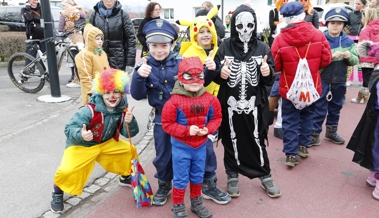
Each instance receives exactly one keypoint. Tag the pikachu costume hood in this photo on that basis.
(190, 49)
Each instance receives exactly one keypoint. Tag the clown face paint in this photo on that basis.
(245, 26)
(112, 98)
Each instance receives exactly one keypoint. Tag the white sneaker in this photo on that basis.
(73, 85)
(354, 100)
(348, 83)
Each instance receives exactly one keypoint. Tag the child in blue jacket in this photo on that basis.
(333, 78)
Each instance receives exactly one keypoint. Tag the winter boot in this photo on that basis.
(232, 189)
(331, 134)
(366, 95)
(359, 99)
(179, 211)
(210, 191)
(268, 184)
(303, 151)
(371, 181)
(315, 139)
(164, 190)
(178, 208)
(198, 207)
(57, 205)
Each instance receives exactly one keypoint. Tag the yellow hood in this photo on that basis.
(196, 24)
(89, 35)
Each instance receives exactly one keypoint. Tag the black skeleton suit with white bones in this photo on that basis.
(244, 98)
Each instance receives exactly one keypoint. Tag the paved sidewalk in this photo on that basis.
(326, 184)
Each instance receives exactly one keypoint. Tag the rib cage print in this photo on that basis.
(242, 72)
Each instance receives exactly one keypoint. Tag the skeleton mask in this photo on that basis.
(245, 26)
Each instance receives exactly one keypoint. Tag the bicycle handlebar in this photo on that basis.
(63, 35)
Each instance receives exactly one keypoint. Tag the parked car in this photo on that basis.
(323, 9)
(136, 22)
(11, 16)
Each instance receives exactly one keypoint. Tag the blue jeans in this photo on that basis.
(275, 87)
(210, 162)
(163, 149)
(329, 109)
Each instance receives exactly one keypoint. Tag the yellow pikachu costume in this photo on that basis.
(191, 49)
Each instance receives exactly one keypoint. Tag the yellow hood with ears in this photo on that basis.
(196, 24)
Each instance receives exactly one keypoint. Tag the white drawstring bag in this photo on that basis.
(302, 92)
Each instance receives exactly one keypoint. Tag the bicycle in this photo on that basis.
(29, 73)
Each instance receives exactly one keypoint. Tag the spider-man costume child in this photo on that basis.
(189, 116)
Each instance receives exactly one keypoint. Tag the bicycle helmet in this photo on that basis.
(337, 14)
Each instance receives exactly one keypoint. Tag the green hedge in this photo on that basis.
(10, 43)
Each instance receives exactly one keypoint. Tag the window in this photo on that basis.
(168, 13)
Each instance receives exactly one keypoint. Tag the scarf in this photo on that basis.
(103, 11)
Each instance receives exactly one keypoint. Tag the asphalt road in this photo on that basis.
(32, 143)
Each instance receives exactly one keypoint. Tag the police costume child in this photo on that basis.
(244, 103)
(157, 87)
(333, 79)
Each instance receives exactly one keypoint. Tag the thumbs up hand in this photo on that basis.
(209, 62)
(265, 69)
(225, 72)
(86, 134)
(129, 115)
(144, 70)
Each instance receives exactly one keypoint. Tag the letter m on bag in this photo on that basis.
(305, 97)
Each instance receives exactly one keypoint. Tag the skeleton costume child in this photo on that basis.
(244, 102)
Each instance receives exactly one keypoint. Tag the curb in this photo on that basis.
(97, 191)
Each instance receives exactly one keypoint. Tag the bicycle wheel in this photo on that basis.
(26, 72)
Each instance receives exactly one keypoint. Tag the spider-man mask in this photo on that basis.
(191, 71)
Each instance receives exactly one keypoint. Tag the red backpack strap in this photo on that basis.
(92, 108)
(117, 134)
(96, 125)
